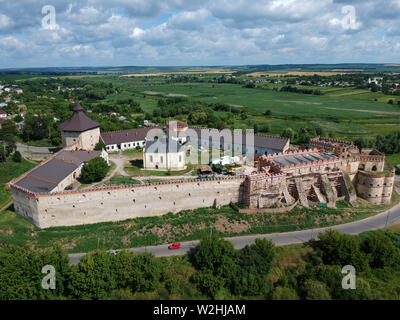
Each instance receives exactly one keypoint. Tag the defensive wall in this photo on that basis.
(70, 208)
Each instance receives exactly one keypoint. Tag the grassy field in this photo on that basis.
(185, 225)
(8, 171)
(393, 159)
(348, 112)
(134, 168)
(120, 180)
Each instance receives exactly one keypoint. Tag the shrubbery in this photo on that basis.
(95, 170)
(216, 270)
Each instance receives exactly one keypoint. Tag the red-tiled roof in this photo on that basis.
(2, 112)
(79, 122)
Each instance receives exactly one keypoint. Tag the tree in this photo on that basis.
(254, 263)
(100, 146)
(288, 133)
(17, 157)
(380, 250)
(92, 278)
(21, 273)
(140, 272)
(315, 290)
(95, 170)
(341, 249)
(18, 118)
(284, 293)
(2, 153)
(10, 142)
(214, 254)
(8, 128)
(208, 283)
(36, 127)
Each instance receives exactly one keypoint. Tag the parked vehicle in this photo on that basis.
(176, 245)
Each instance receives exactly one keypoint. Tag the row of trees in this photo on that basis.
(220, 271)
(300, 90)
(388, 144)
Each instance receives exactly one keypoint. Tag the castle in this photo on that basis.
(329, 171)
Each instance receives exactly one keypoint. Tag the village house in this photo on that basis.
(3, 114)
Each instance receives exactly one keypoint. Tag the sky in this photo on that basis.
(63, 33)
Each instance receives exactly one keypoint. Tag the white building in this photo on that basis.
(164, 154)
(3, 114)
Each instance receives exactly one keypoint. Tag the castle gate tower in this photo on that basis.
(80, 130)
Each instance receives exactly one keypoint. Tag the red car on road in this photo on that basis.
(176, 245)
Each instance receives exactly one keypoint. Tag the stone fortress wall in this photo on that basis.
(70, 208)
(318, 178)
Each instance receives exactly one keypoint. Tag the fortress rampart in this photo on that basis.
(70, 208)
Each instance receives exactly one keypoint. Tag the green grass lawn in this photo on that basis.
(393, 159)
(134, 169)
(120, 180)
(182, 226)
(9, 170)
(132, 152)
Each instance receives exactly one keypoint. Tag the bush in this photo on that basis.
(208, 283)
(316, 290)
(100, 146)
(2, 153)
(95, 170)
(380, 250)
(341, 249)
(17, 157)
(140, 272)
(284, 293)
(92, 278)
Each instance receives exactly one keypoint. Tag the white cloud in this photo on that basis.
(176, 32)
(5, 22)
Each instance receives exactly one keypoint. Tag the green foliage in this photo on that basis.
(284, 293)
(215, 255)
(146, 273)
(215, 259)
(315, 290)
(380, 250)
(389, 144)
(341, 249)
(17, 157)
(254, 263)
(2, 153)
(93, 277)
(95, 170)
(208, 283)
(21, 276)
(36, 127)
(100, 146)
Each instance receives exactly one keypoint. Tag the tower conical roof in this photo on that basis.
(79, 121)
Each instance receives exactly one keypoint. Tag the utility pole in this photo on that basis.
(387, 219)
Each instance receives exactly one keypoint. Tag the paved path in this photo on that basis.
(379, 221)
(44, 150)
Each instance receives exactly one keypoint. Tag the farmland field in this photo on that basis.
(349, 112)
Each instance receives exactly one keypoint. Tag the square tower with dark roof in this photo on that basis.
(80, 131)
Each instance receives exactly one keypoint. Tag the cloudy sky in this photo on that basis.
(197, 32)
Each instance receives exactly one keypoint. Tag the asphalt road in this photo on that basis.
(44, 150)
(379, 221)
